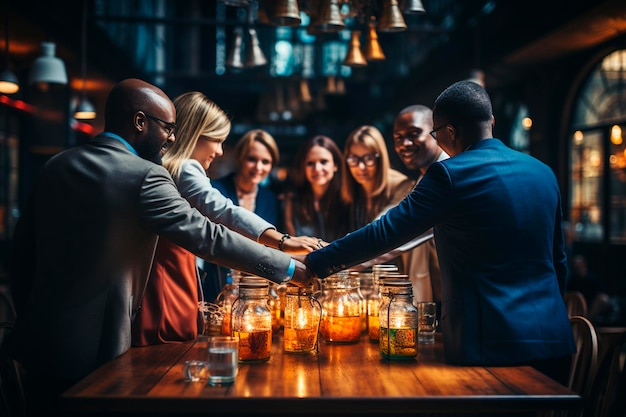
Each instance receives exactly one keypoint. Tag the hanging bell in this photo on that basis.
(341, 86)
(354, 57)
(254, 54)
(391, 19)
(234, 58)
(329, 18)
(305, 92)
(331, 85)
(285, 13)
(373, 51)
(413, 7)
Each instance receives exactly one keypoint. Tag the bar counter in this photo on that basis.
(349, 379)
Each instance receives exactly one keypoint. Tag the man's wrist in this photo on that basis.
(290, 271)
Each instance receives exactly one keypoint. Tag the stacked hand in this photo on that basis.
(301, 245)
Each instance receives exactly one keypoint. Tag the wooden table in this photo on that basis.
(339, 380)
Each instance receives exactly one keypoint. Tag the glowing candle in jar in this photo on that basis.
(341, 311)
(252, 322)
(301, 323)
(398, 321)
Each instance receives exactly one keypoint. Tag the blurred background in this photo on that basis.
(556, 72)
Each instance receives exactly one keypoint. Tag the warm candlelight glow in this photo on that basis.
(373, 329)
(341, 329)
(302, 317)
(254, 346)
(301, 320)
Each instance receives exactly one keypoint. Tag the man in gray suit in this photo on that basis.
(84, 244)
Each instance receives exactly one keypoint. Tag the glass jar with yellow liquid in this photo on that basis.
(341, 310)
(251, 321)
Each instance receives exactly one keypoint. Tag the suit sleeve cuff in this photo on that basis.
(290, 271)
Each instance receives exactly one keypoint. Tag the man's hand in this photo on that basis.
(302, 276)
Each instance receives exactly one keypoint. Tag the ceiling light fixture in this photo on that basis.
(84, 110)
(9, 83)
(48, 69)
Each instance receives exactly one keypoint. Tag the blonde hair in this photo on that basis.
(195, 115)
(240, 151)
(351, 192)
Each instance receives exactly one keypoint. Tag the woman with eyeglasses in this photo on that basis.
(372, 185)
(169, 310)
(313, 204)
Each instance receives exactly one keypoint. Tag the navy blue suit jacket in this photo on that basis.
(496, 215)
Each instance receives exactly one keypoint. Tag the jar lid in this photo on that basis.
(384, 268)
(294, 290)
(258, 283)
(400, 283)
(384, 278)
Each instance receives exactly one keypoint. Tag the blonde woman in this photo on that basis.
(169, 310)
(371, 185)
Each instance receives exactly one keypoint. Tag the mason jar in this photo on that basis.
(251, 321)
(397, 320)
(302, 320)
(341, 310)
(225, 299)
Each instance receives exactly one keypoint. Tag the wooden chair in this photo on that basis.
(576, 304)
(585, 360)
(608, 393)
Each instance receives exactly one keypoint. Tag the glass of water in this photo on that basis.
(223, 358)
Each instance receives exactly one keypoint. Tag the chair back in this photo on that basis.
(585, 359)
(575, 303)
(608, 393)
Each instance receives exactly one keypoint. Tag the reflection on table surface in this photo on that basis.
(344, 379)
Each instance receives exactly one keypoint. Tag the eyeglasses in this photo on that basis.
(433, 132)
(169, 127)
(413, 136)
(369, 159)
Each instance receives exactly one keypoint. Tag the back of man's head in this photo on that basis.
(464, 102)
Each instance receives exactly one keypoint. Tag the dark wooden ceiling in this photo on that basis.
(503, 38)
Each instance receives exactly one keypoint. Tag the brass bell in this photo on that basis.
(354, 57)
(331, 85)
(341, 86)
(413, 7)
(234, 58)
(329, 19)
(285, 13)
(305, 93)
(254, 54)
(391, 19)
(373, 51)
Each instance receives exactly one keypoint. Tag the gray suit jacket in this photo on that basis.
(83, 248)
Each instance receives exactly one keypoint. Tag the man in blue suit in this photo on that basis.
(496, 215)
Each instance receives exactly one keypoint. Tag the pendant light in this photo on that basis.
(48, 69)
(84, 110)
(391, 19)
(285, 13)
(8, 81)
(354, 57)
(413, 7)
(373, 51)
(254, 54)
